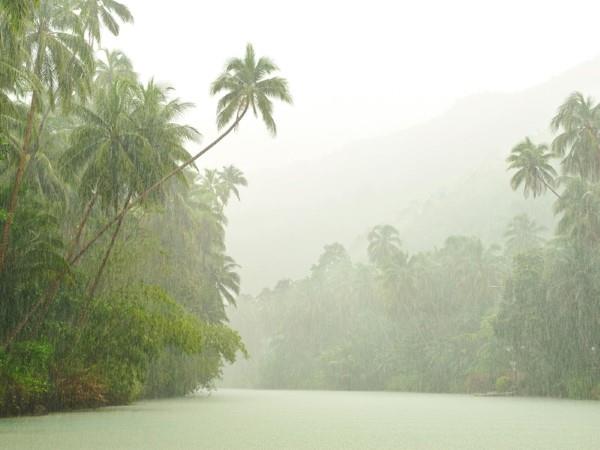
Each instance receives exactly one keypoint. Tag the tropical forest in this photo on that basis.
(176, 272)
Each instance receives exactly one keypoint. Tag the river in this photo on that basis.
(254, 419)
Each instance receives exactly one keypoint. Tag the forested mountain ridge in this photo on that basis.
(448, 172)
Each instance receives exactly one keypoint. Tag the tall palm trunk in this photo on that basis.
(113, 239)
(86, 215)
(24, 155)
(53, 290)
(14, 194)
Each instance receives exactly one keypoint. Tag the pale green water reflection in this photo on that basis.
(238, 419)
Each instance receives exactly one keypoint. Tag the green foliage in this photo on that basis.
(418, 323)
(140, 311)
(24, 376)
(247, 88)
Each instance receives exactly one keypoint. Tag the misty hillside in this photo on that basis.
(413, 179)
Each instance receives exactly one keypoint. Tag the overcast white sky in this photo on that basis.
(356, 68)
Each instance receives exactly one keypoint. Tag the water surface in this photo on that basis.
(252, 419)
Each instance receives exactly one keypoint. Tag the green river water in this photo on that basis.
(252, 419)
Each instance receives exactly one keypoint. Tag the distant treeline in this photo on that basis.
(519, 318)
(113, 270)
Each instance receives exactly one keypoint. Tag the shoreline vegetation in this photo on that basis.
(521, 317)
(114, 274)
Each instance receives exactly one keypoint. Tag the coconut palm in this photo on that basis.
(579, 142)
(246, 87)
(579, 208)
(384, 246)
(533, 170)
(523, 234)
(230, 178)
(115, 65)
(17, 12)
(95, 13)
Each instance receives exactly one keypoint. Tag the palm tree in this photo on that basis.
(17, 12)
(230, 177)
(95, 13)
(384, 246)
(580, 209)
(105, 151)
(246, 87)
(523, 234)
(579, 142)
(60, 62)
(115, 65)
(533, 169)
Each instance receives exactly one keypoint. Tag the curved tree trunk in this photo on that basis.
(86, 215)
(94, 284)
(14, 193)
(113, 239)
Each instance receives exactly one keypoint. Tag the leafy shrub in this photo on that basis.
(24, 377)
(504, 383)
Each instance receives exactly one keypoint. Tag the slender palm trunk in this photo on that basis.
(85, 308)
(54, 287)
(14, 194)
(113, 239)
(86, 215)
(551, 189)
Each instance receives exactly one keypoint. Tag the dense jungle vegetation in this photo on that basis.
(116, 283)
(114, 274)
(522, 317)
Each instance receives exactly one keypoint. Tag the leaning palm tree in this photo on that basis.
(247, 87)
(533, 169)
(579, 143)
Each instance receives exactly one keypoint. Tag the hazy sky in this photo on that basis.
(356, 68)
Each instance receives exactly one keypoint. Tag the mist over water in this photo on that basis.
(318, 419)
